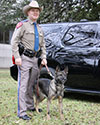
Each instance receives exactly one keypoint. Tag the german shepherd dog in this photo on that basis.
(51, 89)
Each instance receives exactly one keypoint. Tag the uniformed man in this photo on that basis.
(31, 35)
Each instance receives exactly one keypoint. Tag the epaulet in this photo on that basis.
(21, 23)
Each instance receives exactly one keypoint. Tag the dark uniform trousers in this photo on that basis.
(27, 74)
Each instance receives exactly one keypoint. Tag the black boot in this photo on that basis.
(25, 117)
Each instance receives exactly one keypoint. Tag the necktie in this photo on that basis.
(36, 43)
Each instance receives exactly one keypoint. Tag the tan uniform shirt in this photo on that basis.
(24, 32)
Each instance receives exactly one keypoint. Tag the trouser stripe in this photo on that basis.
(19, 79)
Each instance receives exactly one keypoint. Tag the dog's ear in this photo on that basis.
(58, 68)
(66, 69)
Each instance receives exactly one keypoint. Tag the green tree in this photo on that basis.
(86, 9)
(53, 11)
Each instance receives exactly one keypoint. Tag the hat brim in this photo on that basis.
(27, 8)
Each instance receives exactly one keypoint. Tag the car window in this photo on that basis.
(80, 35)
(53, 34)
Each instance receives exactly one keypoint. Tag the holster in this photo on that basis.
(21, 48)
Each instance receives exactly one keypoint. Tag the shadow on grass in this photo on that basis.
(82, 97)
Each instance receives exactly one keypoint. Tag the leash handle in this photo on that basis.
(49, 71)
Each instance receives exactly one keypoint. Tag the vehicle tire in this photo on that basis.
(44, 73)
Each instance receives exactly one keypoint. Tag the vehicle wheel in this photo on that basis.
(44, 73)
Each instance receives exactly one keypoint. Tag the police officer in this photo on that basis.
(31, 35)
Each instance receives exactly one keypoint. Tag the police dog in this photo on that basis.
(51, 89)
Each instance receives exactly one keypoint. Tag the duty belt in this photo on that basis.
(29, 53)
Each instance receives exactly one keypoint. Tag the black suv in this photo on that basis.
(78, 46)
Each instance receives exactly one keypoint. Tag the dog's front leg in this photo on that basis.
(48, 109)
(60, 99)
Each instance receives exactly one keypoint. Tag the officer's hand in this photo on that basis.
(44, 62)
(18, 61)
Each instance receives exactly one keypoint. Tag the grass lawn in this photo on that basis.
(78, 109)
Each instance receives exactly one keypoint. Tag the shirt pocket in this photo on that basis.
(29, 35)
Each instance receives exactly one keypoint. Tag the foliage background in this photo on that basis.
(53, 11)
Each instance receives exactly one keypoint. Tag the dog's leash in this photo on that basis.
(47, 70)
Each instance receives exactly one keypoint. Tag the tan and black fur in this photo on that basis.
(51, 89)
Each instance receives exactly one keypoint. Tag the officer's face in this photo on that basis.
(33, 14)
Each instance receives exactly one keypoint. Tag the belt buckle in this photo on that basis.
(35, 54)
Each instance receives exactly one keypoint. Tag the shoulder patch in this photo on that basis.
(19, 25)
